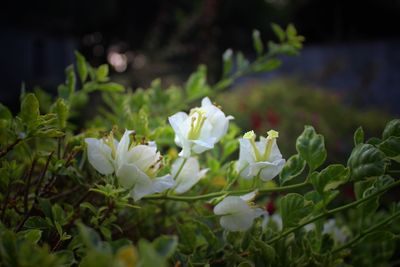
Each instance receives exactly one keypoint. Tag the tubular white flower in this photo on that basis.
(237, 213)
(188, 176)
(135, 165)
(261, 158)
(199, 130)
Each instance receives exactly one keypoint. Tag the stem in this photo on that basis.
(10, 147)
(333, 211)
(180, 168)
(220, 193)
(368, 231)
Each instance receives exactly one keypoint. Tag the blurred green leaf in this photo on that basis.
(366, 161)
(359, 136)
(391, 147)
(293, 168)
(391, 129)
(257, 43)
(81, 66)
(196, 85)
(293, 208)
(311, 147)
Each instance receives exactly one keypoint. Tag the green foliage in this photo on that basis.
(56, 210)
(311, 147)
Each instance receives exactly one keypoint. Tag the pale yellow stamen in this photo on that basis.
(272, 135)
(109, 141)
(196, 123)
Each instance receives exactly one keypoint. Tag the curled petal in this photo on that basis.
(99, 156)
(189, 175)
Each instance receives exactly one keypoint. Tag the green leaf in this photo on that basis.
(5, 113)
(208, 234)
(102, 73)
(165, 245)
(391, 147)
(30, 110)
(291, 31)
(359, 136)
(32, 235)
(187, 237)
(257, 43)
(379, 246)
(391, 129)
(280, 33)
(269, 65)
(71, 80)
(266, 251)
(36, 222)
(227, 61)
(293, 208)
(110, 87)
(366, 161)
(196, 85)
(241, 62)
(330, 178)
(293, 168)
(148, 255)
(81, 66)
(311, 147)
(62, 110)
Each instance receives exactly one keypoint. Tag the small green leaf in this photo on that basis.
(71, 80)
(311, 147)
(366, 161)
(266, 251)
(359, 136)
(30, 110)
(391, 129)
(62, 110)
(241, 61)
(269, 65)
(165, 245)
(291, 31)
(330, 178)
(102, 73)
(32, 235)
(5, 113)
(208, 234)
(111, 87)
(293, 168)
(391, 147)
(148, 255)
(257, 43)
(280, 33)
(228, 62)
(293, 208)
(81, 66)
(196, 85)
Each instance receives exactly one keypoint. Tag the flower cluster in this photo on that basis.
(136, 165)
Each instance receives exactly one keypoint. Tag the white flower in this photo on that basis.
(261, 158)
(339, 234)
(275, 218)
(330, 227)
(201, 129)
(135, 165)
(189, 174)
(237, 213)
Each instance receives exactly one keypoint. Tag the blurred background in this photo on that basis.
(348, 73)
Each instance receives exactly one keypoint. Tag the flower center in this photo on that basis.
(272, 135)
(109, 141)
(198, 118)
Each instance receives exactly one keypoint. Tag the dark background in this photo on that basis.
(168, 38)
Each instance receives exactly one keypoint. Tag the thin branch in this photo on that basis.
(221, 193)
(10, 147)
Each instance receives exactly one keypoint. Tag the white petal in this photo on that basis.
(151, 186)
(160, 184)
(178, 121)
(205, 102)
(249, 196)
(186, 149)
(123, 147)
(143, 156)
(129, 175)
(237, 222)
(142, 189)
(199, 146)
(268, 173)
(189, 175)
(231, 205)
(99, 156)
